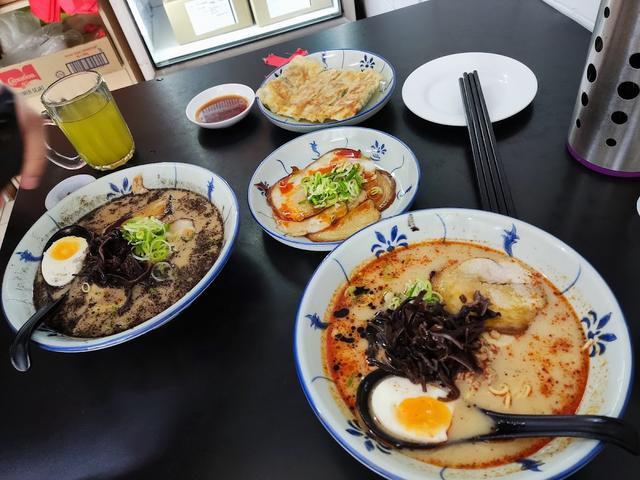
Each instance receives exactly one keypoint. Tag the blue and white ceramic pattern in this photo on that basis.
(610, 370)
(343, 59)
(387, 151)
(17, 286)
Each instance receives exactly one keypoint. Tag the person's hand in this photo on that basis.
(34, 162)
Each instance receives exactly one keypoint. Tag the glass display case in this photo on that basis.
(177, 30)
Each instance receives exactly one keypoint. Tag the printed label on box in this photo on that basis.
(209, 15)
(32, 91)
(277, 8)
(19, 77)
(90, 62)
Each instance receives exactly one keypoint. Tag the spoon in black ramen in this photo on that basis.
(421, 422)
(19, 350)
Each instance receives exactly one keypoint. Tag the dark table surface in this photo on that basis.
(214, 393)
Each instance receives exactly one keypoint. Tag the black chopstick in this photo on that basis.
(477, 149)
(500, 177)
(495, 194)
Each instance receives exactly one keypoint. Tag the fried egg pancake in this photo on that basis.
(306, 91)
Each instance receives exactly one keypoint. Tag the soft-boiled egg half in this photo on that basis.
(406, 412)
(63, 260)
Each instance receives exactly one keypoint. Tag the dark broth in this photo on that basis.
(221, 108)
(94, 313)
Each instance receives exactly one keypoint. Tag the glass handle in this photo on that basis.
(64, 161)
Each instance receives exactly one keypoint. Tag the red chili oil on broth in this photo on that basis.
(548, 356)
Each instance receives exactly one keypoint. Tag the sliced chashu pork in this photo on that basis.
(322, 220)
(362, 215)
(512, 291)
(287, 197)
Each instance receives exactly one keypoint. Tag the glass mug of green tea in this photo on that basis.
(82, 107)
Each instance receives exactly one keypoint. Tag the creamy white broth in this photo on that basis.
(468, 422)
(544, 368)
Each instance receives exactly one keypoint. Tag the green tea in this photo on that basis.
(96, 129)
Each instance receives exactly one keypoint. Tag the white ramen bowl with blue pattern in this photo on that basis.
(358, 60)
(17, 285)
(610, 369)
(385, 150)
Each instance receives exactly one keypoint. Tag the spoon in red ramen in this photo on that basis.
(407, 416)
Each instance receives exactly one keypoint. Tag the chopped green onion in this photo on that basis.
(340, 185)
(430, 296)
(375, 191)
(148, 238)
(412, 289)
(162, 271)
(391, 300)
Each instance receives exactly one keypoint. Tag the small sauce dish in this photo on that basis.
(66, 187)
(221, 106)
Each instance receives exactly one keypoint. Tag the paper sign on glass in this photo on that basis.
(278, 8)
(209, 15)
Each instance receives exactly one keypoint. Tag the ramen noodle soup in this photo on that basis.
(111, 286)
(530, 356)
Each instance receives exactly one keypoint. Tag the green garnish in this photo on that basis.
(412, 290)
(430, 296)
(375, 191)
(148, 237)
(340, 185)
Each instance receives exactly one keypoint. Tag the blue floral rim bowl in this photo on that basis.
(388, 152)
(346, 59)
(17, 285)
(610, 367)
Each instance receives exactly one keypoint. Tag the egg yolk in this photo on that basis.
(424, 415)
(64, 248)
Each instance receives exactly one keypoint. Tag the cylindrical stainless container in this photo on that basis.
(604, 133)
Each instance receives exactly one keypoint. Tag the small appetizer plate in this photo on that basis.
(17, 284)
(431, 91)
(226, 90)
(610, 355)
(358, 60)
(386, 151)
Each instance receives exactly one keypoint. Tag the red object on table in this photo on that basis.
(277, 61)
(49, 10)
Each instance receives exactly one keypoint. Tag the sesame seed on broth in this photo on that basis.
(94, 313)
(541, 371)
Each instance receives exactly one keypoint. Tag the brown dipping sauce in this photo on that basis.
(221, 108)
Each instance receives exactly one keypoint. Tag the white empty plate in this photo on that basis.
(432, 91)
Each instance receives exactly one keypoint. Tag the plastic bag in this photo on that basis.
(22, 38)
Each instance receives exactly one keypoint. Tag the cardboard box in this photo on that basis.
(32, 77)
(267, 12)
(193, 20)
